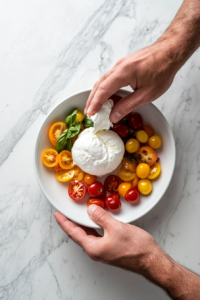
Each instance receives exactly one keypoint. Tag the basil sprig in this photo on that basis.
(64, 141)
(87, 122)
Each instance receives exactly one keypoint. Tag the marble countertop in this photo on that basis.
(50, 49)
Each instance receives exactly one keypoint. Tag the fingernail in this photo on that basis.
(116, 116)
(91, 209)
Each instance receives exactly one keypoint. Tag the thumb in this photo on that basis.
(100, 216)
(129, 103)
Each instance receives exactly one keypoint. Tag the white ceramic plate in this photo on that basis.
(57, 192)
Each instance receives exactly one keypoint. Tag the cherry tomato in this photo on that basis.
(111, 183)
(145, 186)
(78, 174)
(89, 179)
(149, 130)
(135, 121)
(64, 175)
(55, 131)
(132, 145)
(155, 142)
(142, 136)
(95, 189)
(135, 182)
(65, 160)
(123, 188)
(79, 117)
(102, 196)
(74, 139)
(154, 171)
(57, 167)
(115, 98)
(143, 170)
(98, 202)
(122, 130)
(133, 195)
(77, 190)
(128, 165)
(146, 155)
(113, 202)
(50, 158)
(126, 175)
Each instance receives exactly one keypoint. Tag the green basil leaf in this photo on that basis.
(61, 142)
(70, 120)
(69, 145)
(87, 122)
(132, 158)
(75, 129)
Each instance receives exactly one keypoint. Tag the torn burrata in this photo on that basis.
(98, 150)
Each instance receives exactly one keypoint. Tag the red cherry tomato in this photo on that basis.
(95, 189)
(111, 183)
(77, 190)
(115, 98)
(102, 196)
(113, 202)
(122, 130)
(135, 121)
(98, 202)
(133, 195)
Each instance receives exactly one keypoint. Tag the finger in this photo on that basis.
(76, 233)
(129, 103)
(105, 89)
(100, 216)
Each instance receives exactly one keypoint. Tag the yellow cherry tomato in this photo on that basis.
(64, 175)
(143, 170)
(65, 160)
(155, 142)
(145, 186)
(128, 165)
(50, 158)
(123, 188)
(132, 145)
(149, 130)
(79, 117)
(135, 182)
(154, 171)
(78, 174)
(89, 179)
(126, 175)
(142, 136)
(55, 131)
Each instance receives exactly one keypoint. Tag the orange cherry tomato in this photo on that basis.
(149, 130)
(65, 160)
(135, 182)
(126, 175)
(128, 165)
(123, 188)
(64, 175)
(78, 174)
(57, 167)
(50, 158)
(155, 142)
(145, 186)
(98, 202)
(89, 179)
(143, 170)
(55, 131)
(146, 155)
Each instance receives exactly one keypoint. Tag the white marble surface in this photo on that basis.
(50, 49)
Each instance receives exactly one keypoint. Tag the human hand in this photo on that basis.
(149, 72)
(123, 245)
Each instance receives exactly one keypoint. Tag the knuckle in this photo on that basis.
(96, 84)
(99, 216)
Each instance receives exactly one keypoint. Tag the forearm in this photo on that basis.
(182, 37)
(177, 281)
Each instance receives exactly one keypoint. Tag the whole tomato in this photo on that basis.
(95, 189)
(113, 202)
(98, 202)
(133, 195)
(135, 121)
(122, 130)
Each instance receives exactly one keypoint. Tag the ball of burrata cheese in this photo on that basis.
(98, 153)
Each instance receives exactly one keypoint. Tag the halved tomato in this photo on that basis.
(57, 167)
(146, 155)
(154, 171)
(126, 175)
(55, 131)
(65, 160)
(78, 174)
(64, 175)
(111, 183)
(50, 158)
(77, 190)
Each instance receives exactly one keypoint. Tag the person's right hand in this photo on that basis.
(149, 72)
